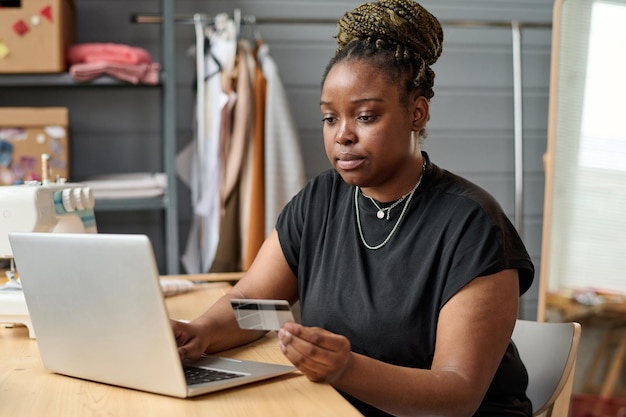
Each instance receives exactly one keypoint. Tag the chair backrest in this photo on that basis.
(549, 352)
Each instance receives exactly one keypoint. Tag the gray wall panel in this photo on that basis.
(96, 153)
(471, 129)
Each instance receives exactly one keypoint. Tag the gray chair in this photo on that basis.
(549, 352)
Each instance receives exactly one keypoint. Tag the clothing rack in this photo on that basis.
(253, 20)
(516, 36)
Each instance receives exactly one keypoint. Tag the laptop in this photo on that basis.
(98, 313)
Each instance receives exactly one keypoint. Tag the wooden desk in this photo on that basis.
(211, 277)
(27, 389)
(611, 312)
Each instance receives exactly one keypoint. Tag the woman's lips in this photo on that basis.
(349, 162)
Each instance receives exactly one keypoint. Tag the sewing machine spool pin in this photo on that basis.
(12, 284)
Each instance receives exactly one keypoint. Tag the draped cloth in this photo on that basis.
(256, 231)
(244, 163)
(284, 167)
(199, 162)
(235, 138)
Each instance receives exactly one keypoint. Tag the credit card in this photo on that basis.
(257, 314)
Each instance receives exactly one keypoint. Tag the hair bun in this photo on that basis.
(395, 22)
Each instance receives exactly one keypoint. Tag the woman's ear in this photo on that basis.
(421, 113)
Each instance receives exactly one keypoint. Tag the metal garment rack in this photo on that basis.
(516, 40)
(168, 120)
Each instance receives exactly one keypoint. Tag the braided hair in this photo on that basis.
(399, 37)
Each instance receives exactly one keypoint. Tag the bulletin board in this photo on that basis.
(29, 135)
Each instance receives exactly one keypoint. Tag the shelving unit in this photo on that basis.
(168, 120)
(168, 202)
(59, 80)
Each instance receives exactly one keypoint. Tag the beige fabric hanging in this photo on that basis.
(256, 230)
(235, 139)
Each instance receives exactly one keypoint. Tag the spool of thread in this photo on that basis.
(45, 169)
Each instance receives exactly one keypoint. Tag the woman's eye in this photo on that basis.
(329, 120)
(367, 118)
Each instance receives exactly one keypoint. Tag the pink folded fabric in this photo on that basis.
(140, 73)
(107, 52)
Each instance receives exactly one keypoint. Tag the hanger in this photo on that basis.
(255, 30)
(237, 20)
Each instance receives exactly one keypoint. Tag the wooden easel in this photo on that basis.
(605, 375)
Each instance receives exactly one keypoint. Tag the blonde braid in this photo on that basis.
(402, 26)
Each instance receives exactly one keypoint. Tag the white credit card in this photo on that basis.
(257, 314)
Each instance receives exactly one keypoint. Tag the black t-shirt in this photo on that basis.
(387, 301)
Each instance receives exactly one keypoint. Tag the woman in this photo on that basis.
(408, 276)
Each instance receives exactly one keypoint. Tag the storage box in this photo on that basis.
(34, 35)
(28, 133)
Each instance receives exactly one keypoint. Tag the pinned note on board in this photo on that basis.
(20, 27)
(47, 12)
(6, 153)
(4, 50)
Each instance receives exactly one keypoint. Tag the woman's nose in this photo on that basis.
(345, 134)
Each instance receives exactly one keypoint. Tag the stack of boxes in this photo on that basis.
(34, 36)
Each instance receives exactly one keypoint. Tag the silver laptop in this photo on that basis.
(98, 313)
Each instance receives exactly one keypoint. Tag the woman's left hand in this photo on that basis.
(320, 355)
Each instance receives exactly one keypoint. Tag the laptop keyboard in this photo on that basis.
(195, 375)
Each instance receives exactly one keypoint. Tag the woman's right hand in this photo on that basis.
(216, 329)
(192, 342)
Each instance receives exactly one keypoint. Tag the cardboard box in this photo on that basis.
(34, 35)
(26, 134)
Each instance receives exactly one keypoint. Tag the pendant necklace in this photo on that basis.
(381, 212)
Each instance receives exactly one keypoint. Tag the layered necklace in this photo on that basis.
(381, 211)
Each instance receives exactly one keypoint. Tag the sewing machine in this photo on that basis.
(53, 207)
